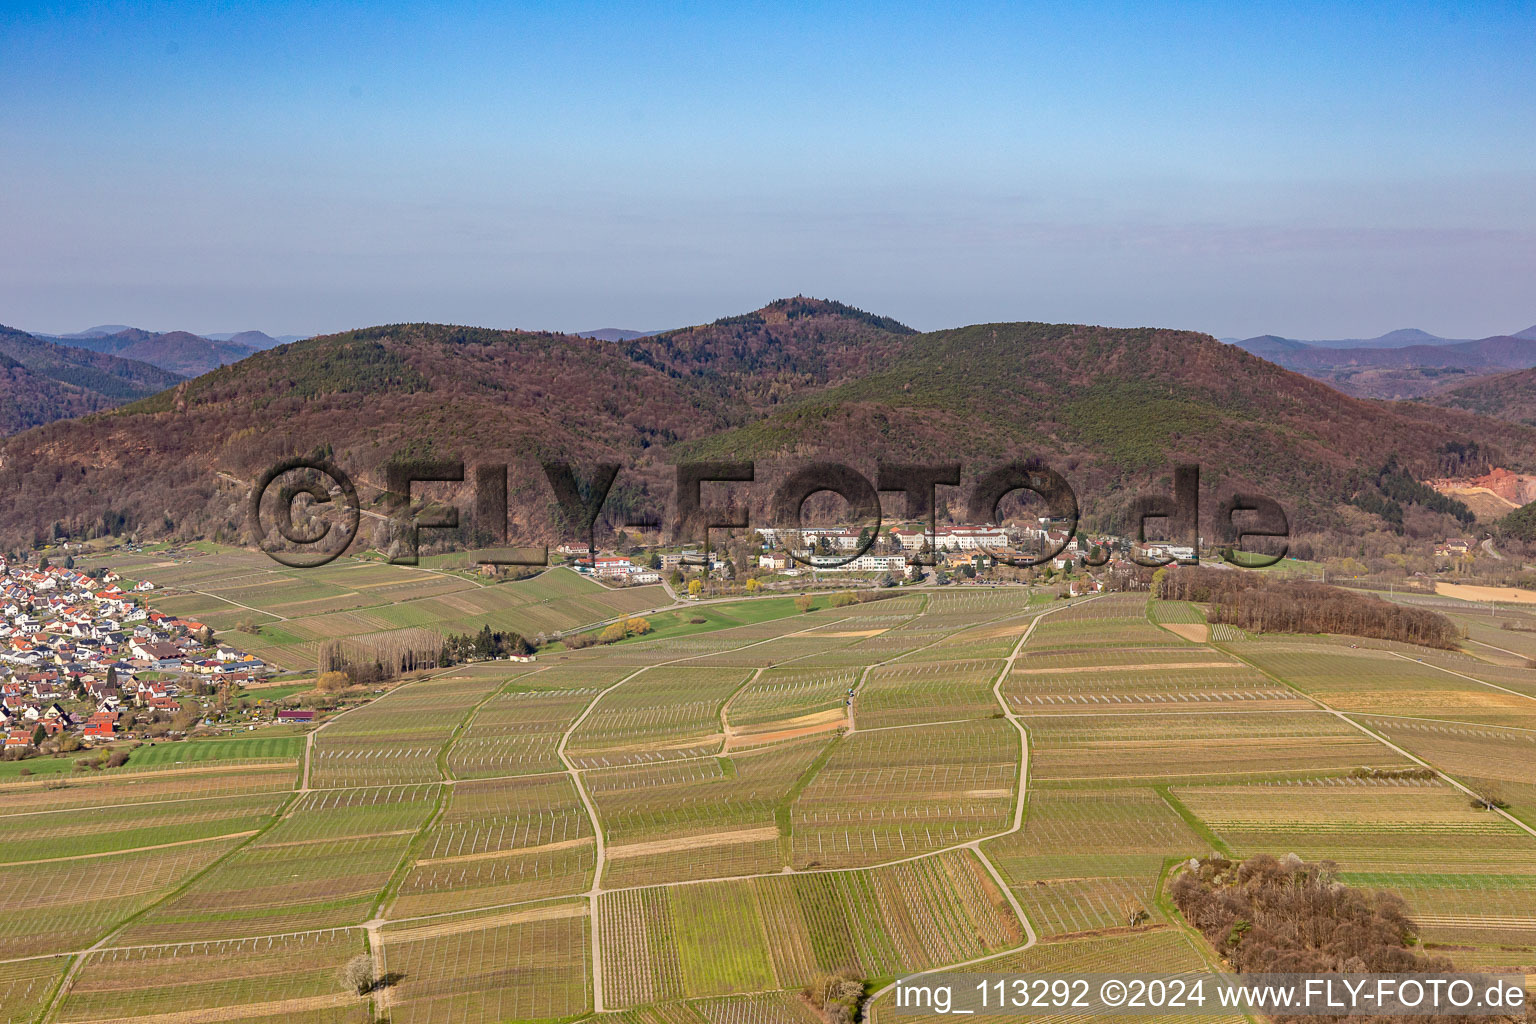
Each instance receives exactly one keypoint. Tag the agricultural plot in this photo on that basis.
(27, 985)
(1150, 746)
(703, 818)
(1468, 874)
(272, 744)
(54, 836)
(530, 963)
(783, 703)
(399, 737)
(1169, 949)
(1093, 657)
(912, 693)
(901, 792)
(1495, 762)
(324, 865)
(1365, 825)
(1057, 684)
(448, 824)
(1481, 921)
(500, 842)
(666, 712)
(1175, 612)
(1091, 859)
(517, 732)
(760, 1008)
(779, 931)
(67, 905)
(210, 610)
(1226, 633)
(1378, 682)
(1512, 635)
(780, 650)
(297, 610)
(149, 784)
(1511, 677)
(1117, 621)
(275, 980)
(961, 608)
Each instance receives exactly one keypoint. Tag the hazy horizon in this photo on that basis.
(1314, 172)
(653, 330)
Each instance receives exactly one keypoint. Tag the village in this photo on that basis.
(964, 553)
(896, 555)
(83, 662)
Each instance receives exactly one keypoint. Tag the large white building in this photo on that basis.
(864, 563)
(954, 538)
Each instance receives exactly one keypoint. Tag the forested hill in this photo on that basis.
(41, 381)
(1111, 409)
(1507, 396)
(778, 352)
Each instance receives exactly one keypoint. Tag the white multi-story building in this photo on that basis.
(864, 563)
(973, 538)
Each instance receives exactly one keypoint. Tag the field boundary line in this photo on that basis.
(407, 860)
(1393, 746)
(1463, 675)
(459, 730)
(130, 849)
(1190, 818)
(574, 772)
(1030, 937)
(309, 737)
(56, 1004)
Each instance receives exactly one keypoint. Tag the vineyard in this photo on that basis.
(687, 829)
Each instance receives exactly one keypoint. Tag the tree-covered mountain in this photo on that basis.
(775, 353)
(1117, 408)
(1506, 396)
(44, 381)
(800, 378)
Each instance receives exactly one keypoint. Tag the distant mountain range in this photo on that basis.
(796, 380)
(257, 339)
(615, 334)
(50, 377)
(1401, 338)
(42, 381)
(181, 352)
(1407, 363)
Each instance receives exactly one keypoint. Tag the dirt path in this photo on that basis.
(745, 835)
(466, 858)
(587, 802)
(1030, 937)
(475, 924)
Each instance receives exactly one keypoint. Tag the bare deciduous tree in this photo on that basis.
(357, 976)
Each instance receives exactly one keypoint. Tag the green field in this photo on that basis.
(270, 742)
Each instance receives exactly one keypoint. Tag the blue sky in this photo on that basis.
(1327, 170)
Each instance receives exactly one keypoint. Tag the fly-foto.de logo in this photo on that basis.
(305, 512)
